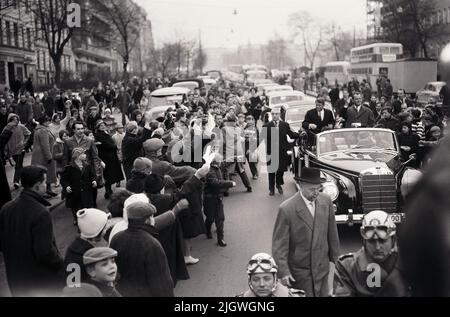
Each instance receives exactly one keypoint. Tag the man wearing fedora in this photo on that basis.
(275, 134)
(305, 238)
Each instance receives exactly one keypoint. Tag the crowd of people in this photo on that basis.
(165, 179)
(419, 128)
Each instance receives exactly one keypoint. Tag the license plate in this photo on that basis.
(396, 218)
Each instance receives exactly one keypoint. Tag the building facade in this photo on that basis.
(17, 47)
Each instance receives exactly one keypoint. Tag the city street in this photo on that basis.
(221, 271)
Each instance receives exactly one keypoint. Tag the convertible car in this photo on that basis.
(363, 169)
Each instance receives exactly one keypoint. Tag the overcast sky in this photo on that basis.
(256, 20)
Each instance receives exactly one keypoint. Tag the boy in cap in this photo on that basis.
(101, 266)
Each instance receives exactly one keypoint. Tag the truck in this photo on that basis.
(412, 74)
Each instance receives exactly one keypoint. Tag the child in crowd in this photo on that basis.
(78, 181)
(100, 264)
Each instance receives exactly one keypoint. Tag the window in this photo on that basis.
(38, 57)
(16, 34)
(24, 45)
(29, 38)
(8, 33)
(2, 72)
(1, 31)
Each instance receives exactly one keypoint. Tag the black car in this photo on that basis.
(363, 169)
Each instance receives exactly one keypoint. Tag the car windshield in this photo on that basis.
(356, 140)
(297, 114)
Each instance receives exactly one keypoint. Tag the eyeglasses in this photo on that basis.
(265, 264)
(369, 232)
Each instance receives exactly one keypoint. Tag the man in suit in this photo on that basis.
(305, 238)
(318, 119)
(277, 148)
(359, 115)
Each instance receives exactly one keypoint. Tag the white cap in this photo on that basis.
(131, 200)
(91, 222)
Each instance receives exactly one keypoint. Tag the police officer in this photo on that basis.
(375, 270)
(262, 279)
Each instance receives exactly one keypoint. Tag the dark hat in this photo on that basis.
(98, 123)
(140, 210)
(154, 184)
(153, 145)
(312, 176)
(98, 254)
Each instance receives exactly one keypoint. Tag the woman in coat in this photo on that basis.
(107, 151)
(42, 152)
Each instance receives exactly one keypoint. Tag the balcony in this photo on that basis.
(91, 51)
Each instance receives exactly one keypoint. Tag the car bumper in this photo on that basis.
(350, 218)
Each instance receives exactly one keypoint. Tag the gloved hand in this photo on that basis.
(180, 206)
(202, 172)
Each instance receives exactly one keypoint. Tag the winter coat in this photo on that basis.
(32, 260)
(142, 263)
(107, 151)
(90, 150)
(106, 290)
(192, 220)
(136, 184)
(19, 138)
(80, 182)
(74, 254)
(49, 106)
(132, 149)
(171, 237)
(411, 140)
(25, 112)
(42, 152)
(179, 174)
(215, 183)
(58, 155)
(4, 185)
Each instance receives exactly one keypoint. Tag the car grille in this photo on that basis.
(379, 192)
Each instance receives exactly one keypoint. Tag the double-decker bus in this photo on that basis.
(370, 61)
(337, 71)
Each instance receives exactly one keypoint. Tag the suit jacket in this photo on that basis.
(281, 145)
(304, 246)
(365, 117)
(312, 117)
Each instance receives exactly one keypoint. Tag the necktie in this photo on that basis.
(321, 115)
(312, 208)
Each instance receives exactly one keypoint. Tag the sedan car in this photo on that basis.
(430, 93)
(363, 169)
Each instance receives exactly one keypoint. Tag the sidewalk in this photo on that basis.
(56, 202)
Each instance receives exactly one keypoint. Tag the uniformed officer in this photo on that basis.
(375, 270)
(262, 279)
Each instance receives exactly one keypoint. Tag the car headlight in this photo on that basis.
(331, 190)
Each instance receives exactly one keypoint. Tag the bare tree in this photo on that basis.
(339, 40)
(164, 58)
(51, 16)
(200, 58)
(412, 23)
(276, 55)
(311, 33)
(126, 18)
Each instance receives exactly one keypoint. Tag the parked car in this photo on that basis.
(268, 90)
(363, 169)
(284, 97)
(430, 93)
(168, 96)
(191, 84)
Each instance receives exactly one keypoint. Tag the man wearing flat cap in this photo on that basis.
(305, 238)
(153, 151)
(141, 260)
(319, 118)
